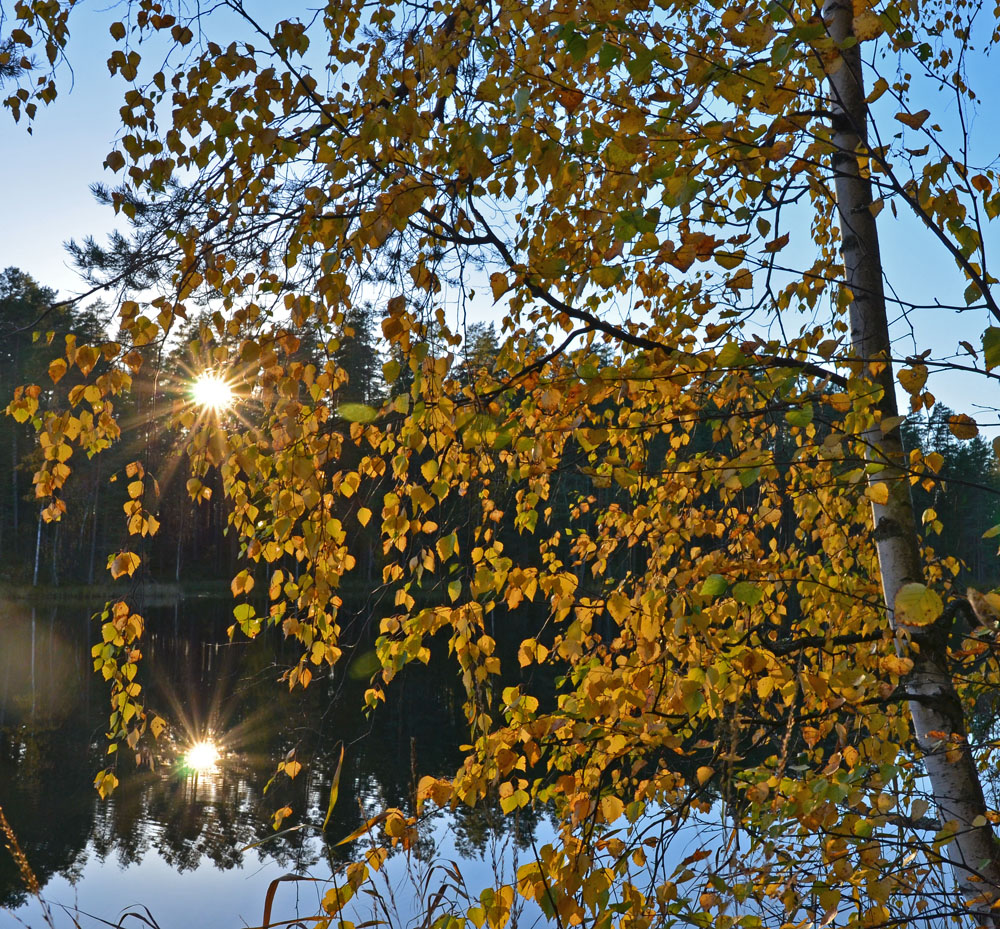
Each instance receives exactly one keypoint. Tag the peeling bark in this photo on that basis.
(936, 711)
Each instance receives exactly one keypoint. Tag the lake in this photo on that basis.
(176, 848)
(180, 848)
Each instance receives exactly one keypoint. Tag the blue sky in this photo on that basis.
(48, 173)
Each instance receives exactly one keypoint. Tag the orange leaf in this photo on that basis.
(913, 120)
(962, 426)
(570, 99)
(124, 563)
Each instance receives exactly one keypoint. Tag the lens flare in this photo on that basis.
(211, 392)
(202, 756)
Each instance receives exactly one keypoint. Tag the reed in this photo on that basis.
(10, 840)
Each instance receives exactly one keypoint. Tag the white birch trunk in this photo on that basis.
(935, 708)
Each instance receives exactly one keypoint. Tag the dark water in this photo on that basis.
(172, 844)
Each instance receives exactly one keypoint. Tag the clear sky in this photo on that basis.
(47, 174)
(47, 201)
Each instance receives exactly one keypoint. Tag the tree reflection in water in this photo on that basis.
(52, 741)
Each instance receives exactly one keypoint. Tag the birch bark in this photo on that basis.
(937, 715)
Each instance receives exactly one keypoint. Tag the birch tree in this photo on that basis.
(687, 446)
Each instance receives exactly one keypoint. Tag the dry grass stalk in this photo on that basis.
(27, 875)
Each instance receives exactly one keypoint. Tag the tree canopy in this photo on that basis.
(683, 446)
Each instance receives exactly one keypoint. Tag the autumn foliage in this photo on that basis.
(666, 472)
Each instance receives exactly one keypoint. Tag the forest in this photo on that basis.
(601, 340)
(192, 541)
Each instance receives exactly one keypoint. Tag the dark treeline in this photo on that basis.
(193, 543)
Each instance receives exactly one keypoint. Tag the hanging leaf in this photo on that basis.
(914, 120)
(357, 412)
(334, 789)
(962, 426)
(917, 605)
(715, 585)
(745, 592)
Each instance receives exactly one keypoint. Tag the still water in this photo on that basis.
(177, 848)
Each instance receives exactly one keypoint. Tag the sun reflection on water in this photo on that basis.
(202, 757)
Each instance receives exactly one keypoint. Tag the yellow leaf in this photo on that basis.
(935, 461)
(867, 25)
(618, 607)
(878, 493)
(334, 788)
(242, 584)
(893, 664)
(704, 773)
(105, 782)
(292, 767)
(447, 546)
(57, 368)
(86, 357)
(913, 379)
(985, 606)
(878, 88)
(917, 605)
(611, 808)
(498, 284)
(364, 515)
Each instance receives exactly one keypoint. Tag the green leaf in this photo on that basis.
(390, 371)
(991, 347)
(641, 66)
(243, 612)
(731, 356)
(357, 412)
(745, 592)
(503, 439)
(334, 788)
(715, 585)
(800, 416)
(608, 56)
(521, 100)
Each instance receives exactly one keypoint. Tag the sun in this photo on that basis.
(202, 756)
(211, 392)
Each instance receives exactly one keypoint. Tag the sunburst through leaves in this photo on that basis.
(211, 392)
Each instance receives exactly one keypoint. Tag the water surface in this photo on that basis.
(188, 849)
